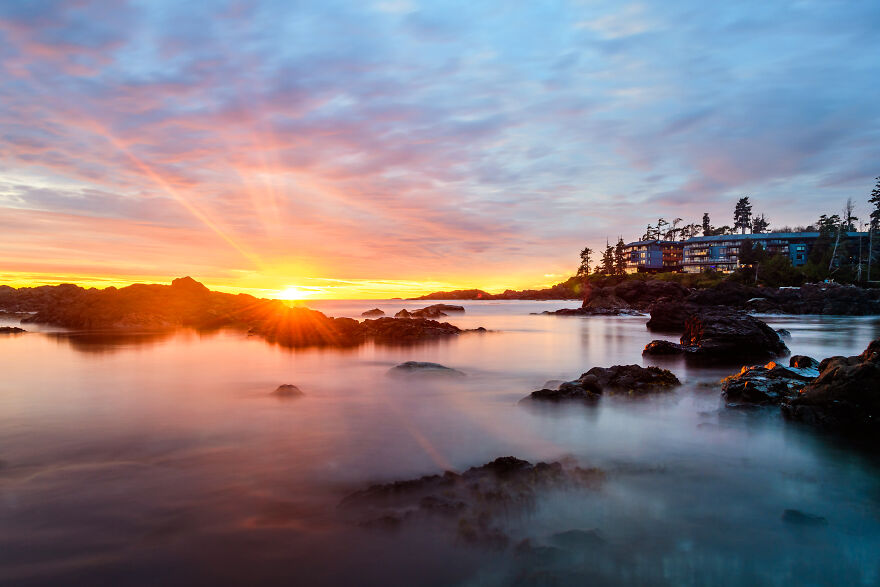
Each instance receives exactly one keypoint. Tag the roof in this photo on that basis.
(653, 242)
(765, 236)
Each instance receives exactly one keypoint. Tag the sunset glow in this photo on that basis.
(396, 148)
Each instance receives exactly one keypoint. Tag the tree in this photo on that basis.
(673, 230)
(760, 224)
(827, 225)
(689, 230)
(742, 214)
(849, 221)
(620, 257)
(661, 225)
(584, 268)
(875, 199)
(608, 260)
(874, 223)
(707, 227)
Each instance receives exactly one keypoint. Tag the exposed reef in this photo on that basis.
(771, 383)
(839, 394)
(844, 398)
(630, 380)
(472, 504)
(721, 335)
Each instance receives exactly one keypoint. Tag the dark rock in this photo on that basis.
(577, 539)
(445, 308)
(726, 293)
(619, 379)
(374, 313)
(11, 330)
(391, 330)
(783, 333)
(770, 383)
(594, 311)
(403, 314)
(670, 316)
(643, 294)
(845, 398)
(472, 503)
(803, 362)
(429, 312)
(663, 347)
(723, 335)
(537, 554)
(799, 518)
(423, 368)
(287, 390)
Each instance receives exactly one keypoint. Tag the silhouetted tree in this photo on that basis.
(608, 260)
(707, 227)
(661, 227)
(827, 225)
(742, 214)
(760, 224)
(849, 220)
(875, 200)
(620, 257)
(673, 231)
(584, 267)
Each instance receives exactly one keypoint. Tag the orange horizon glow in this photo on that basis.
(331, 289)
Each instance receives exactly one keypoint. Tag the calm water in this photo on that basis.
(166, 460)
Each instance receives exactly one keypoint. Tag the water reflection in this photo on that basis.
(168, 460)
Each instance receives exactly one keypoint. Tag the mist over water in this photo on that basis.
(166, 459)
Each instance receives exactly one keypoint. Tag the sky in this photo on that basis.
(373, 149)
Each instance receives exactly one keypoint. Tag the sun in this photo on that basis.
(293, 293)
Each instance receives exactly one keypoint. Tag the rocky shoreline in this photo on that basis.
(841, 394)
(838, 394)
(669, 303)
(188, 303)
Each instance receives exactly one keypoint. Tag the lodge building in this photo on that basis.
(717, 253)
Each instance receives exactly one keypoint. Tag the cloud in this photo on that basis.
(396, 139)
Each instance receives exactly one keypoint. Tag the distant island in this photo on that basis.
(570, 289)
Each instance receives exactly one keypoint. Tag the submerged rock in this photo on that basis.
(578, 539)
(845, 397)
(723, 336)
(423, 368)
(799, 518)
(472, 504)
(616, 380)
(771, 383)
(287, 390)
(375, 312)
(11, 330)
